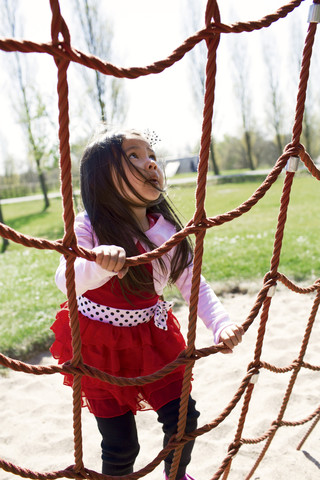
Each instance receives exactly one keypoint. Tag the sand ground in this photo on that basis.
(36, 411)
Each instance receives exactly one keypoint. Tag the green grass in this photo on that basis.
(243, 247)
(238, 250)
(28, 295)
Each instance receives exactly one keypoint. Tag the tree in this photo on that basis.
(8, 171)
(275, 101)
(231, 153)
(5, 241)
(311, 118)
(240, 59)
(197, 63)
(31, 111)
(266, 151)
(105, 92)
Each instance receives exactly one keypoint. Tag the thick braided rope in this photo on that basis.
(297, 129)
(288, 392)
(296, 133)
(198, 226)
(59, 26)
(317, 418)
(212, 12)
(90, 61)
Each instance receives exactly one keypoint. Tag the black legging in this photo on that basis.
(120, 445)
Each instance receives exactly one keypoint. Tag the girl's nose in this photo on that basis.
(151, 164)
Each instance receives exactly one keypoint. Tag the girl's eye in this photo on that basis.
(133, 155)
(153, 157)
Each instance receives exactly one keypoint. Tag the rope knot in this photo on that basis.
(80, 472)
(270, 279)
(234, 448)
(275, 424)
(78, 366)
(296, 363)
(203, 224)
(254, 368)
(294, 150)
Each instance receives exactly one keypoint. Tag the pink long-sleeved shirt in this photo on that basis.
(89, 275)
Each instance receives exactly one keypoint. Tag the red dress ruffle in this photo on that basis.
(122, 352)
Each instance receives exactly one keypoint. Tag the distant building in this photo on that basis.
(181, 165)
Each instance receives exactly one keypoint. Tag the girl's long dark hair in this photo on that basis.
(101, 172)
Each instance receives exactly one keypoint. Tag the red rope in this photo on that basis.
(63, 53)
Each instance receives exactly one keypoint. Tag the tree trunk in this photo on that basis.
(44, 189)
(5, 241)
(279, 144)
(213, 159)
(249, 150)
(100, 97)
(307, 133)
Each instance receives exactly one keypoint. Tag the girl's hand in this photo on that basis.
(112, 258)
(231, 336)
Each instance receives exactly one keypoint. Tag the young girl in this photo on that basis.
(126, 329)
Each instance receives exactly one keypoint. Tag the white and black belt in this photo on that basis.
(125, 318)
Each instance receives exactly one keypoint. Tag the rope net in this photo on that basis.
(61, 50)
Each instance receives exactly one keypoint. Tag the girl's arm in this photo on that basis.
(88, 274)
(211, 311)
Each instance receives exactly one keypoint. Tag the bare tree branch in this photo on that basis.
(105, 92)
(240, 59)
(275, 104)
(33, 110)
(198, 57)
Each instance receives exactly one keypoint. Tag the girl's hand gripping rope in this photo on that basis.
(112, 258)
(231, 336)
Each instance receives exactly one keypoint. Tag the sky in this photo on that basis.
(146, 31)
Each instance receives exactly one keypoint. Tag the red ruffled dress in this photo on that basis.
(122, 351)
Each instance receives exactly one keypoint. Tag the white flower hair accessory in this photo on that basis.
(152, 137)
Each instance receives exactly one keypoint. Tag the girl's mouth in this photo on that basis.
(153, 181)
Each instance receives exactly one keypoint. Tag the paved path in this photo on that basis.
(177, 181)
(29, 198)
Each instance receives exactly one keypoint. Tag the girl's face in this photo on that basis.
(150, 183)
